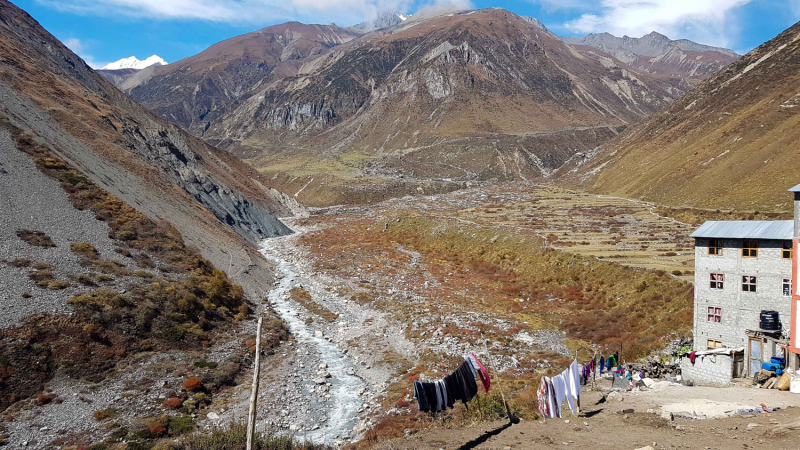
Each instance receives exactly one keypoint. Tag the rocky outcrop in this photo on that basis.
(167, 150)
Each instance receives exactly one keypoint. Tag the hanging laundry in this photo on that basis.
(574, 379)
(451, 384)
(560, 388)
(419, 394)
(516, 363)
(439, 398)
(473, 366)
(555, 413)
(482, 373)
(543, 397)
(602, 366)
(469, 387)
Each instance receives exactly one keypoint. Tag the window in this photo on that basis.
(787, 287)
(717, 280)
(712, 344)
(714, 314)
(748, 283)
(787, 250)
(749, 249)
(715, 247)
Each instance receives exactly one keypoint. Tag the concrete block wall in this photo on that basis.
(740, 310)
(709, 369)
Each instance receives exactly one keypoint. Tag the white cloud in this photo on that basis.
(77, 46)
(706, 21)
(345, 12)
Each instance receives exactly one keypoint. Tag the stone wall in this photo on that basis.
(740, 310)
(708, 369)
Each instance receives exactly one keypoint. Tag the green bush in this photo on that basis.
(235, 437)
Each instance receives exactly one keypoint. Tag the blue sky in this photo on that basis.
(103, 31)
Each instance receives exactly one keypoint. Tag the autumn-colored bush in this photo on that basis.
(172, 403)
(35, 238)
(84, 249)
(43, 399)
(157, 430)
(103, 414)
(193, 384)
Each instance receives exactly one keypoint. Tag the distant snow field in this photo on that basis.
(134, 63)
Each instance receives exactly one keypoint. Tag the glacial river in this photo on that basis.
(343, 416)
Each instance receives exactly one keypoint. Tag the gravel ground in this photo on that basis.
(41, 206)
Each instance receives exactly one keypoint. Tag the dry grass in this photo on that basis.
(303, 297)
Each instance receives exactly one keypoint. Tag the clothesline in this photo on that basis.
(459, 385)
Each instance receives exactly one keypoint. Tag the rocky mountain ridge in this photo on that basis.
(658, 54)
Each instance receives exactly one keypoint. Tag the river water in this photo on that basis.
(343, 416)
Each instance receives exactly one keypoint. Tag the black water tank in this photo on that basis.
(769, 321)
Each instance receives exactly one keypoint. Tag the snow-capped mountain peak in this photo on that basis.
(133, 63)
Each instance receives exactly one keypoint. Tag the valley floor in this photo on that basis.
(378, 296)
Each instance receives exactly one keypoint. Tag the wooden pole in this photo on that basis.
(499, 384)
(251, 418)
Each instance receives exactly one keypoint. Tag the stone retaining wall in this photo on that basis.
(708, 369)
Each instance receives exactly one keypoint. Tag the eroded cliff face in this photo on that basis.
(168, 150)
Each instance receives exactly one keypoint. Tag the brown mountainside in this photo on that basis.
(165, 173)
(479, 95)
(732, 142)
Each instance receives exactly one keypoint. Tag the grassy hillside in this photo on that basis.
(731, 143)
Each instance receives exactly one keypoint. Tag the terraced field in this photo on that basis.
(609, 228)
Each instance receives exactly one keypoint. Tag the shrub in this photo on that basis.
(180, 424)
(85, 280)
(58, 285)
(35, 238)
(157, 430)
(143, 274)
(172, 403)
(205, 364)
(235, 437)
(21, 262)
(41, 266)
(105, 414)
(84, 249)
(43, 399)
(40, 275)
(193, 384)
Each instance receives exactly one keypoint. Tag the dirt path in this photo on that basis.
(612, 425)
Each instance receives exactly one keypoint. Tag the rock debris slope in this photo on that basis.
(49, 92)
(478, 95)
(732, 142)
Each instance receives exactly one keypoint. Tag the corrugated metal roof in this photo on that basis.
(795, 189)
(746, 229)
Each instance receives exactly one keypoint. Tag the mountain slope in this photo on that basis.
(194, 90)
(50, 93)
(657, 54)
(430, 99)
(732, 142)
